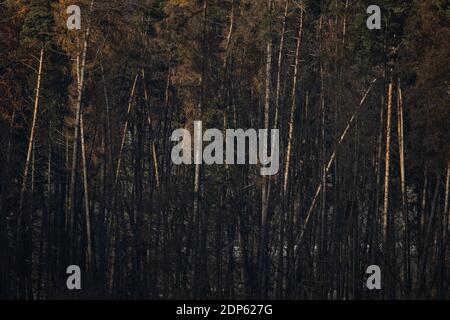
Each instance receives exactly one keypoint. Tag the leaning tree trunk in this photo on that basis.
(86, 195)
(327, 169)
(401, 145)
(30, 146)
(124, 133)
(293, 105)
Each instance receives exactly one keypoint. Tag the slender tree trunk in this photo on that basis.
(283, 215)
(265, 190)
(444, 283)
(280, 65)
(124, 132)
(427, 245)
(403, 188)
(22, 240)
(230, 33)
(86, 196)
(387, 167)
(30, 145)
(386, 218)
(198, 167)
(81, 68)
(294, 104)
(446, 201)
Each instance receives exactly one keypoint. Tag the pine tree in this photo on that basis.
(38, 23)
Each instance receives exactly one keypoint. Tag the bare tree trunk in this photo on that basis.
(294, 104)
(30, 145)
(283, 215)
(387, 167)
(24, 259)
(403, 188)
(86, 196)
(280, 64)
(81, 67)
(386, 219)
(230, 33)
(427, 245)
(198, 167)
(125, 128)
(149, 122)
(377, 181)
(265, 190)
(155, 161)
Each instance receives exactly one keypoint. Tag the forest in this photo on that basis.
(86, 175)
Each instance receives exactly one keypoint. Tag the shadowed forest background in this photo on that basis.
(86, 176)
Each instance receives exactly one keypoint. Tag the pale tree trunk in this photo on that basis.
(265, 190)
(291, 219)
(86, 195)
(198, 168)
(30, 145)
(84, 168)
(403, 187)
(167, 120)
(81, 67)
(386, 221)
(280, 64)
(293, 105)
(387, 167)
(344, 24)
(125, 128)
(226, 77)
(85, 178)
(149, 122)
(283, 216)
(230, 33)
